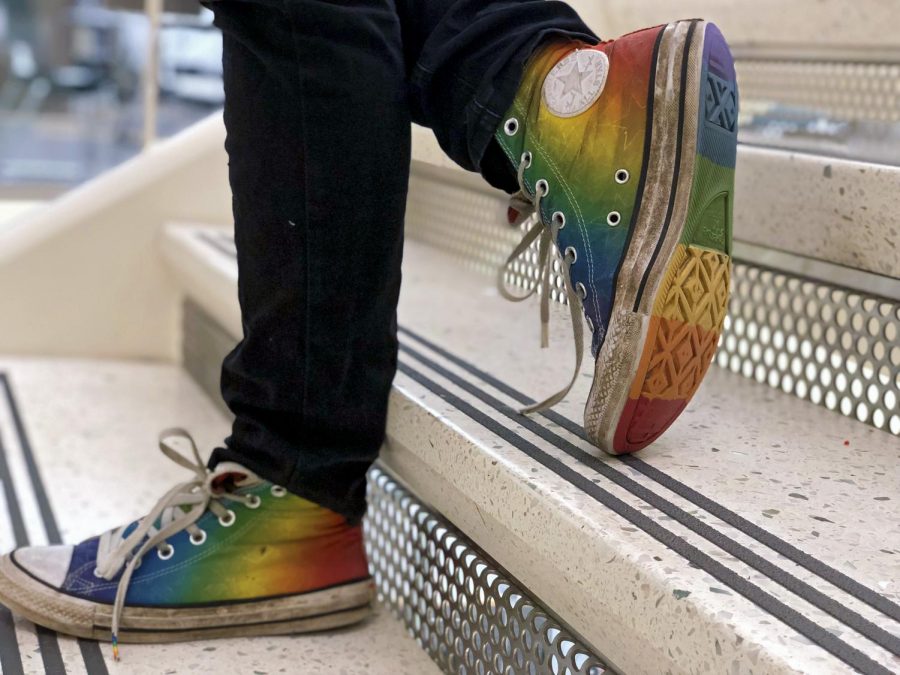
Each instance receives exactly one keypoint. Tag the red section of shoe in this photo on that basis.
(644, 420)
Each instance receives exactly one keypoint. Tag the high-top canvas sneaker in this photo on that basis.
(223, 554)
(625, 153)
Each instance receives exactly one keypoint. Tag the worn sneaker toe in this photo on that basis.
(48, 564)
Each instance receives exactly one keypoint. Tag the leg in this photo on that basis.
(318, 137)
(318, 141)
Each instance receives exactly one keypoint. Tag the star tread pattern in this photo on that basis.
(690, 318)
(721, 102)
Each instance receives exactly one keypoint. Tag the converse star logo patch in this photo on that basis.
(574, 83)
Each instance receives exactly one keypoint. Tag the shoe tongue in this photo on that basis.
(231, 475)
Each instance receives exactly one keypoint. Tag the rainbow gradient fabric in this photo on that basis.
(582, 157)
(569, 151)
(285, 546)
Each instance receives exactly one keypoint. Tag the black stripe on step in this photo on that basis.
(835, 577)
(47, 639)
(49, 646)
(34, 475)
(791, 617)
(93, 657)
(10, 657)
(20, 534)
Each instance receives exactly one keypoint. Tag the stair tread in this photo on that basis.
(808, 495)
(92, 426)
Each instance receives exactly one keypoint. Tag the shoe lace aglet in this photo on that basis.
(115, 647)
(545, 334)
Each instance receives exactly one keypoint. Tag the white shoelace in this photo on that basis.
(529, 208)
(177, 510)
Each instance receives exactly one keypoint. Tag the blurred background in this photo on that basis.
(819, 76)
(71, 97)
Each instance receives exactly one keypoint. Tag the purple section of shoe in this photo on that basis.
(716, 54)
(717, 132)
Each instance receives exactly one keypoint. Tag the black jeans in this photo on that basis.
(319, 95)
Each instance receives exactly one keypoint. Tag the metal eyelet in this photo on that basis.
(199, 541)
(559, 218)
(253, 501)
(511, 126)
(622, 176)
(590, 324)
(228, 519)
(526, 157)
(277, 491)
(543, 186)
(170, 551)
(614, 218)
(97, 574)
(581, 290)
(571, 255)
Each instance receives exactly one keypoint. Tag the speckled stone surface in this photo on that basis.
(93, 427)
(821, 482)
(840, 211)
(379, 646)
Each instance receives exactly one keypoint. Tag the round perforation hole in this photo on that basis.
(824, 338)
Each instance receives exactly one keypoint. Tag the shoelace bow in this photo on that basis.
(528, 209)
(177, 510)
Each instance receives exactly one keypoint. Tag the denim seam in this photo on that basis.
(306, 359)
(486, 109)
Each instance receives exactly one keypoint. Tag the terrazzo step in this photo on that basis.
(758, 535)
(79, 440)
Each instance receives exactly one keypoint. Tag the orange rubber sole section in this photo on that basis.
(680, 344)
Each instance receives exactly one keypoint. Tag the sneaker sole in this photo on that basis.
(329, 608)
(666, 322)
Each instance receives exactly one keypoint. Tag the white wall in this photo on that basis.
(84, 276)
(847, 23)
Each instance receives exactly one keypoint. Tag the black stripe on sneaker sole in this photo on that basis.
(676, 172)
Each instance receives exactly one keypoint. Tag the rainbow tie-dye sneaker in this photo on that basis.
(221, 555)
(625, 154)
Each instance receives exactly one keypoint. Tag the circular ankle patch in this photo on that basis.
(573, 84)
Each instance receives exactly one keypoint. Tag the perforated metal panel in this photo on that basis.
(470, 617)
(822, 343)
(459, 217)
(825, 344)
(848, 90)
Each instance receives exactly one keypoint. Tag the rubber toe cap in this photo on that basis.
(50, 564)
